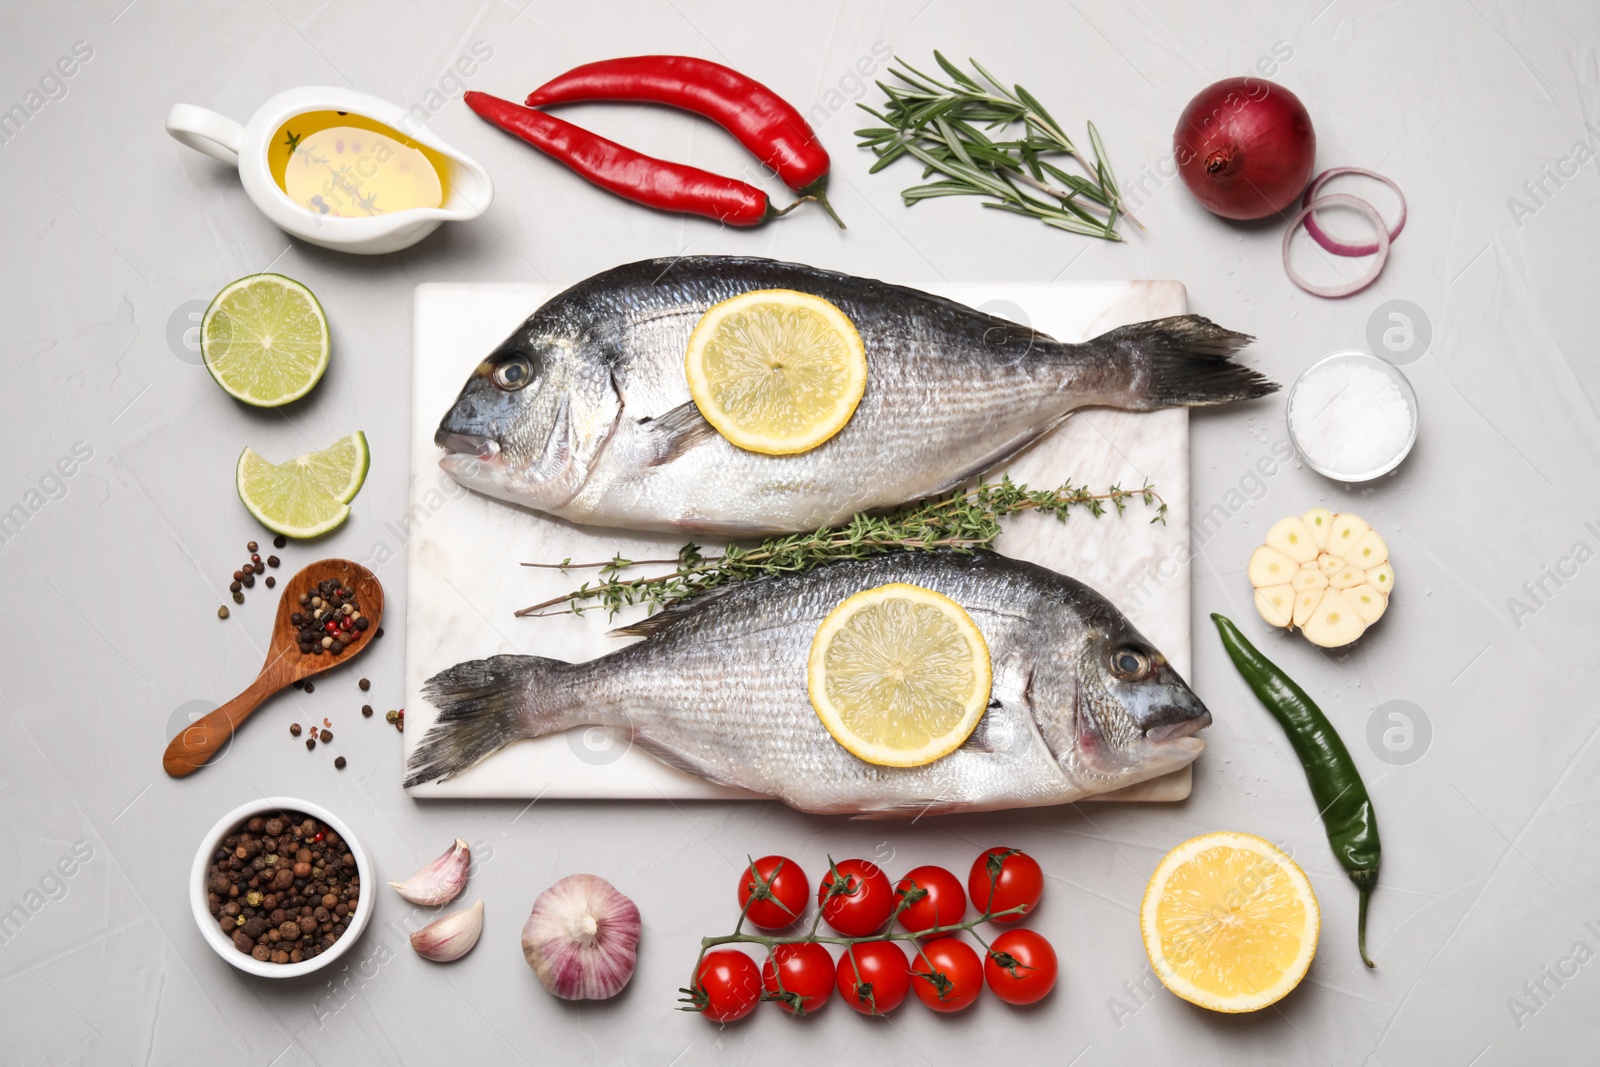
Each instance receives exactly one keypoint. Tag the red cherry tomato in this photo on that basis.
(807, 972)
(784, 898)
(863, 902)
(729, 986)
(943, 901)
(947, 975)
(1015, 878)
(1025, 969)
(873, 978)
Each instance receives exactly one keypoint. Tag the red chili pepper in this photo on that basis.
(632, 175)
(764, 122)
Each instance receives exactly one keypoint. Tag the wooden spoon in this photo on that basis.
(202, 739)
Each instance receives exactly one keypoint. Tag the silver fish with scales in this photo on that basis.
(584, 412)
(1080, 703)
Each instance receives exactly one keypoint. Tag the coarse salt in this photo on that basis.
(1350, 417)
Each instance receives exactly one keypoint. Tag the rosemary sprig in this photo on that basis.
(938, 124)
(965, 520)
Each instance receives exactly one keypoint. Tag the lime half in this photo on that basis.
(310, 494)
(265, 340)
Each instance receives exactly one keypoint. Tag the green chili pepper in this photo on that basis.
(1336, 785)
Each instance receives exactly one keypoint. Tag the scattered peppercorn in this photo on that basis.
(310, 688)
(378, 634)
(365, 684)
(249, 581)
(339, 763)
(271, 581)
(238, 576)
(246, 571)
(251, 547)
(391, 716)
(238, 597)
(311, 743)
(279, 541)
(366, 709)
(222, 613)
(234, 587)
(294, 729)
(272, 561)
(327, 735)
(255, 557)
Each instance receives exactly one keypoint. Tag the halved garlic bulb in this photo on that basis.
(441, 881)
(1329, 575)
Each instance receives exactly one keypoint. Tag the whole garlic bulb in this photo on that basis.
(582, 938)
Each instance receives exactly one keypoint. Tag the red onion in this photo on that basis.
(1339, 248)
(1348, 287)
(1245, 147)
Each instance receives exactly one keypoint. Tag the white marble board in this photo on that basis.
(465, 580)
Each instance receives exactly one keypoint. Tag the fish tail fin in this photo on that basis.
(1185, 361)
(484, 705)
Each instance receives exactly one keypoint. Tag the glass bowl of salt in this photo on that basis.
(1352, 416)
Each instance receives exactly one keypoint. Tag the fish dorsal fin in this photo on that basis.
(677, 431)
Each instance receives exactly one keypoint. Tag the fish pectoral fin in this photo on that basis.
(984, 736)
(908, 809)
(678, 761)
(677, 431)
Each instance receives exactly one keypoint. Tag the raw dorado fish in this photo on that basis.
(1080, 703)
(584, 412)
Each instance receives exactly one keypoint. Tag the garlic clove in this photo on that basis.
(1269, 567)
(1368, 602)
(441, 881)
(582, 938)
(1334, 623)
(1381, 578)
(1293, 538)
(1317, 521)
(1276, 604)
(451, 937)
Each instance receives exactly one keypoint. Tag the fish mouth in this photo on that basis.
(1177, 731)
(467, 444)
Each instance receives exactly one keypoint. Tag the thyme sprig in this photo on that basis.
(938, 124)
(964, 520)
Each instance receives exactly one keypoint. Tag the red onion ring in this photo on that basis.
(1339, 248)
(1381, 248)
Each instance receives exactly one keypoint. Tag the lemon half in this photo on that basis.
(899, 675)
(1230, 922)
(776, 371)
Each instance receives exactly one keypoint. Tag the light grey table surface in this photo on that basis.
(1487, 922)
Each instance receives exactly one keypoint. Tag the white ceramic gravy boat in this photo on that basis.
(249, 147)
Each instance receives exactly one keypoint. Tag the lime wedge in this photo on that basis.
(291, 498)
(337, 470)
(265, 340)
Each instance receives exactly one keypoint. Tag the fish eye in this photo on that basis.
(1129, 663)
(513, 373)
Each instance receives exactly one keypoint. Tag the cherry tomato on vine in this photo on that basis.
(782, 900)
(1020, 967)
(872, 977)
(947, 975)
(728, 987)
(807, 972)
(943, 902)
(1016, 880)
(863, 901)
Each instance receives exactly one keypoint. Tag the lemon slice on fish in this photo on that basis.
(1230, 922)
(776, 371)
(899, 675)
(265, 340)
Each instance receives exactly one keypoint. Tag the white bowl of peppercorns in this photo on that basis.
(277, 887)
